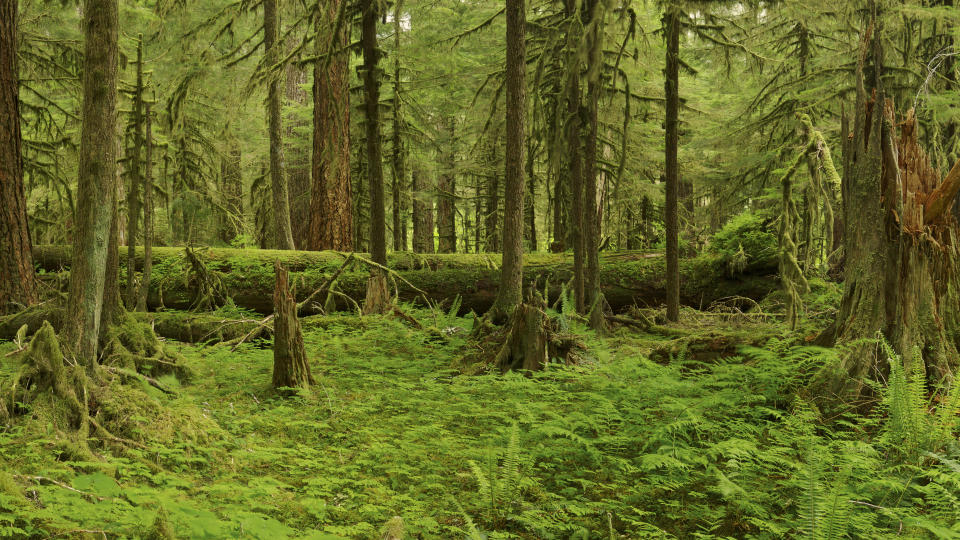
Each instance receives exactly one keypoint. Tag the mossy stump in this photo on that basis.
(290, 367)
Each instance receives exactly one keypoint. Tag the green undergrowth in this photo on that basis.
(617, 447)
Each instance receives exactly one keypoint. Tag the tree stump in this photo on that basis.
(378, 294)
(290, 367)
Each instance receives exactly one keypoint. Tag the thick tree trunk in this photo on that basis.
(591, 218)
(96, 192)
(378, 296)
(283, 232)
(671, 24)
(290, 367)
(899, 276)
(510, 293)
(17, 282)
(422, 213)
(331, 203)
(446, 196)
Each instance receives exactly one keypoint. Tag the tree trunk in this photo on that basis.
(283, 232)
(422, 214)
(591, 219)
(446, 207)
(96, 192)
(530, 197)
(331, 203)
(378, 296)
(290, 367)
(147, 214)
(671, 24)
(297, 159)
(399, 172)
(575, 162)
(899, 275)
(134, 167)
(17, 281)
(231, 186)
(510, 293)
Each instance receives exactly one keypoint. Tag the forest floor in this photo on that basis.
(642, 440)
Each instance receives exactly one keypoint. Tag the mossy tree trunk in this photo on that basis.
(378, 296)
(134, 168)
(671, 26)
(899, 241)
(574, 155)
(331, 199)
(510, 293)
(96, 192)
(591, 223)
(147, 213)
(290, 367)
(398, 165)
(17, 281)
(283, 232)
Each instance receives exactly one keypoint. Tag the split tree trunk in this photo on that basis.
(96, 191)
(331, 203)
(290, 367)
(510, 292)
(17, 281)
(899, 278)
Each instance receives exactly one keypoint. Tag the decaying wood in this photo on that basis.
(290, 367)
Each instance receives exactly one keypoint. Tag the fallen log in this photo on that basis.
(627, 278)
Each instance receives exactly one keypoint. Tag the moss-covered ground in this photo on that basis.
(621, 446)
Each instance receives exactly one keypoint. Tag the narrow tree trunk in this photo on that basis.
(231, 186)
(530, 198)
(510, 293)
(134, 167)
(446, 207)
(491, 211)
(331, 203)
(283, 233)
(378, 296)
(17, 281)
(147, 213)
(422, 214)
(96, 192)
(290, 367)
(672, 92)
(575, 162)
(399, 173)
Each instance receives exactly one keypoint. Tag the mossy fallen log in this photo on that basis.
(627, 278)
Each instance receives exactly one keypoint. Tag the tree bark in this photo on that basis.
(297, 164)
(290, 367)
(575, 163)
(331, 203)
(378, 296)
(96, 192)
(134, 167)
(422, 214)
(671, 23)
(398, 168)
(510, 293)
(899, 275)
(446, 188)
(147, 213)
(17, 281)
(283, 232)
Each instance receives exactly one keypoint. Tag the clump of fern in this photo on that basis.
(500, 486)
(916, 423)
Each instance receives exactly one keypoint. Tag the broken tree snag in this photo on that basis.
(378, 294)
(290, 367)
(942, 198)
(900, 266)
